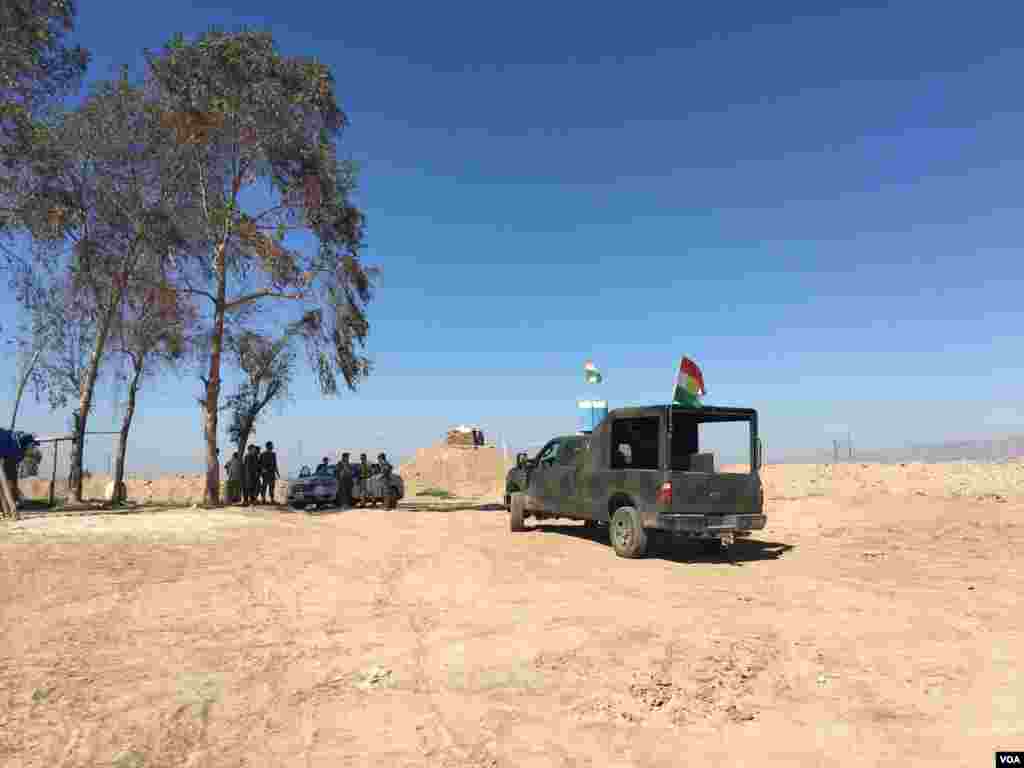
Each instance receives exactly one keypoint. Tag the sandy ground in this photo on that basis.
(861, 628)
(480, 473)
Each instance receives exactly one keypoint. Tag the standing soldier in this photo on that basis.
(251, 477)
(385, 465)
(364, 473)
(258, 485)
(234, 472)
(268, 468)
(344, 472)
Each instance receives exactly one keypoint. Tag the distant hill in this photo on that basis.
(990, 450)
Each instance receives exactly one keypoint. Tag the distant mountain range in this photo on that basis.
(988, 450)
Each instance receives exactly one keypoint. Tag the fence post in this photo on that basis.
(53, 474)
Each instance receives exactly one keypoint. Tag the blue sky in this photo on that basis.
(821, 207)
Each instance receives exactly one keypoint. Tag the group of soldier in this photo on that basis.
(254, 475)
(347, 473)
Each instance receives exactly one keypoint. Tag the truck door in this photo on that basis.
(561, 482)
(540, 475)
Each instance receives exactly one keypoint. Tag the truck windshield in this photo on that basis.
(713, 443)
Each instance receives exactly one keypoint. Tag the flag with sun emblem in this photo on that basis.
(689, 384)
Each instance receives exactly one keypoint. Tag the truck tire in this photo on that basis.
(299, 505)
(629, 539)
(516, 513)
(711, 546)
(508, 497)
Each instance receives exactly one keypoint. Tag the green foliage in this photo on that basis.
(35, 63)
(59, 320)
(240, 113)
(36, 67)
(268, 366)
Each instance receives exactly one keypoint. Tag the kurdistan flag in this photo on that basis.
(689, 384)
(590, 373)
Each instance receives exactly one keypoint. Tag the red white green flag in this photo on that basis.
(590, 373)
(689, 384)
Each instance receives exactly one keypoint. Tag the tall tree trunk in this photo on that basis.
(85, 398)
(21, 385)
(122, 439)
(211, 496)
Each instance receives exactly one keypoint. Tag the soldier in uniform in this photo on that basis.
(363, 473)
(385, 465)
(234, 470)
(270, 473)
(251, 475)
(344, 473)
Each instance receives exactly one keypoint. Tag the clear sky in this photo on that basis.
(821, 207)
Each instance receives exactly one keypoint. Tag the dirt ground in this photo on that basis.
(863, 627)
(480, 473)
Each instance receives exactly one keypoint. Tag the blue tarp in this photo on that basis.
(14, 444)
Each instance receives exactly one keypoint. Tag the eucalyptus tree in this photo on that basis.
(258, 132)
(153, 336)
(107, 199)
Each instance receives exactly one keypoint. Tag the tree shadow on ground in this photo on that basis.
(451, 505)
(33, 508)
(421, 505)
(678, 550)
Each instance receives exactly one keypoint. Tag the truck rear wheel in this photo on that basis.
(516, 513)
(712, 546)
(629, 539)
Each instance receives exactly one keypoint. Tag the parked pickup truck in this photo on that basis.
(315, 489)
(319, 488)
(642, 470)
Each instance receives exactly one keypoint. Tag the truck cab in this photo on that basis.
(643, 469)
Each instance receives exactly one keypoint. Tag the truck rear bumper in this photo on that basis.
(709, 524)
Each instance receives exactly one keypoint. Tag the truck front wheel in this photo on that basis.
(629, 539)
(516, 513)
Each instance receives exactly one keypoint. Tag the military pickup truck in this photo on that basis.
(642, 470)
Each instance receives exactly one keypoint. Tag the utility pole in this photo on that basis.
(849, 441)
(835, 451)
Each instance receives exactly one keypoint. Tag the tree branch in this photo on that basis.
(270, 211)
(265, 294)
(200, 292)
